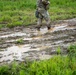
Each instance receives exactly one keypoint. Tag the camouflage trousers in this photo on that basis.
(43, 14)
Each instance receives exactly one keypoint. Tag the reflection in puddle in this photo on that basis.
(71, 27)
(15, 52)
(44, 30)
(36, 38)
(57, 42)
(13, 35)
(44, 47)
(56, 28)
(25, 39)
(62, 27)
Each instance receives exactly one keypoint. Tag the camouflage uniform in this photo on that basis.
(42, 7)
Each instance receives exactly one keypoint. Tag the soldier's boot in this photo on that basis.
(48, 23)
(38, 28)
(48, 27)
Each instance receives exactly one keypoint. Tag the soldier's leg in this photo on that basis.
(39, 23)
(48, 23)
(47, 18)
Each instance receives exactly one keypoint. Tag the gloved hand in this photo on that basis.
(46, 2)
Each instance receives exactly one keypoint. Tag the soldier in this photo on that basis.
(42, 13)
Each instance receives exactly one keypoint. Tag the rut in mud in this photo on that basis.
(37, 45)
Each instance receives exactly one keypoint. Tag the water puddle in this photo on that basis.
(15, 52)
(44, 30)
(61, 27)
(44, 47)
(13, 35)
(35, 42)
(71, 27)
(24, 39)
(59, 42)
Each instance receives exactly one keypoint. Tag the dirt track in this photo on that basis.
(36, 45)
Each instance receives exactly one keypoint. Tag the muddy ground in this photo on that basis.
(36, 45)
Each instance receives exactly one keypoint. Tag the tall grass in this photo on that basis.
(57, 65)
(23, 11)
(19, 4)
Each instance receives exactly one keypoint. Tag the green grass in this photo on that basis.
(58, 51)
(57, 65)
(21, 12)
(72, 51)
(20, 41)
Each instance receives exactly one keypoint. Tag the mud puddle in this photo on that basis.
(37, 45)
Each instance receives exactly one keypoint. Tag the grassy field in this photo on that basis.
(57, 65)
(21, 12)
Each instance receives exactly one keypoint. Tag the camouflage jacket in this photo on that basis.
(43, 4)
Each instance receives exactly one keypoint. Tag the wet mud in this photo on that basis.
(36, 45)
